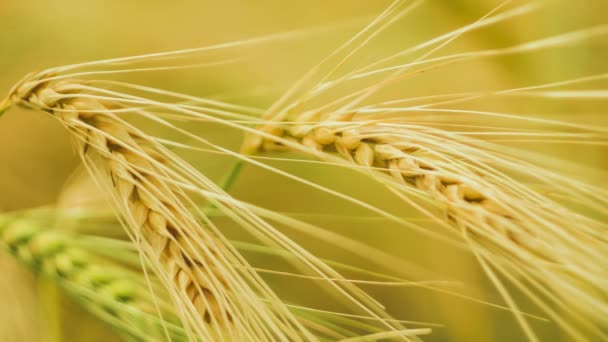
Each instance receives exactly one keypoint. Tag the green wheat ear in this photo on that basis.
(107, 290)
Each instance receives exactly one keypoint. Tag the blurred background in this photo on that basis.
(36, 157)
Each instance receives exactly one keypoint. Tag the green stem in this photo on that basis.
(231, 177)
(108, 290)
(227, 182)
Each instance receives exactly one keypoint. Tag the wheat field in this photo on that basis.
(405, 170)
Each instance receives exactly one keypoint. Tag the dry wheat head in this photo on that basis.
(519, 230)
(214, 299)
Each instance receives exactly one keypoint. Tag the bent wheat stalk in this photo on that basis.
(505, 221)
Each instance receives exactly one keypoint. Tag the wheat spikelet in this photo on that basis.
(467, 196)
(540, 238)
(508, 225)
(517, 228)
(198, 272)
(106, 289)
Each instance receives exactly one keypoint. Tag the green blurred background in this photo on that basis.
(37, 159)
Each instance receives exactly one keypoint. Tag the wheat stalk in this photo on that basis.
(109, 291)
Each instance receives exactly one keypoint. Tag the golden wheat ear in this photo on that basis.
(485, 193)
(214, 298)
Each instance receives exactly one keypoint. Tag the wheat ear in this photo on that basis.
(506, 219)
(105, 288)
(213, 298)
(371, 146)
(544, 248)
